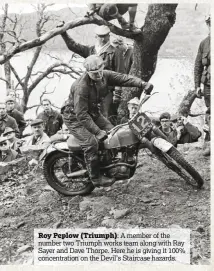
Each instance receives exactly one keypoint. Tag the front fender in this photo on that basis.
(161, 144)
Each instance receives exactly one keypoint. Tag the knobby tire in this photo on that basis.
(48, 170)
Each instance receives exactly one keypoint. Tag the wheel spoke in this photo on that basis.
(61, 169)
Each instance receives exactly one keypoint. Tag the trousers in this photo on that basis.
(88, 142)
(207, 103)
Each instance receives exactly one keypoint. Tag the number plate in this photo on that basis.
(140, 124)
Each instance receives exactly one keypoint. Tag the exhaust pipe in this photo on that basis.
(77, 173)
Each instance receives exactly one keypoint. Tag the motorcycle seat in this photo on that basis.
(73, 143)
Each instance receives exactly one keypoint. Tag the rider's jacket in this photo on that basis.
(202, 64)
(83, 104)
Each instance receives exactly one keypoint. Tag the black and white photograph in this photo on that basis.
(105, 133)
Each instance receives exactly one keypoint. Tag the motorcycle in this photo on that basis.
(65, 170)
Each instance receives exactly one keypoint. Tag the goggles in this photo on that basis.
(97, 71)
(3, 144)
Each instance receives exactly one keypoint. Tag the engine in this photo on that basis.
(119, 164)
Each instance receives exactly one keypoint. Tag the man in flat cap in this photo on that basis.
(186, 132)
(82, 113)
(116, 11)
(13, 141)
(12, 94)
(127, 52)
(14, 113)
(113, 60)
(132, 108)
(6, 154)
(202, 75)
(7, 121)
(39, 136)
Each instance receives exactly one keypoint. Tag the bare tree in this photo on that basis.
(159, 19)
(7, 70)
(32, 78)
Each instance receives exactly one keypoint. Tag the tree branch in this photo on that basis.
(17, 76)
(2, 79)
(33, 106)
(42, 76)
(3, 25)
(63, 72)
(33, 62)
(57, 31)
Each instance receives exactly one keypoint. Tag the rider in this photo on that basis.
(82, 112)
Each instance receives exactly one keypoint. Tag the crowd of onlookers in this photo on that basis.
(16, 133)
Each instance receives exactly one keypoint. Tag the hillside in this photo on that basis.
(155, 197)
(182, 40)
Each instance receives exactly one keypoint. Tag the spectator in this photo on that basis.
(186, 132)
(14, 142)
(7, 121)
(17, 115)
(202, 76)
(167, 129)
(132, 108)
(52, 120)
(12, 94)
(127, 52)
(115, 11)
(6, 154)
(39, 136)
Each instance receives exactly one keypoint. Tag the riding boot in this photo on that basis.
(124, 24)
(94, 173)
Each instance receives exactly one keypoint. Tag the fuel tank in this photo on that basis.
(119, 137)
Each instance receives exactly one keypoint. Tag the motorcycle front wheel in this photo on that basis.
(174, 160)
(56, 168)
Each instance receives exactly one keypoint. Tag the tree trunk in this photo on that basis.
(7, 72)
(185, 105)
(25, 99)
(158, 22)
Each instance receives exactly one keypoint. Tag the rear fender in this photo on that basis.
(53, 147)
(161, 144)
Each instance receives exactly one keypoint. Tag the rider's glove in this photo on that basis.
(148, 87)
(102, 135)
(199, 92)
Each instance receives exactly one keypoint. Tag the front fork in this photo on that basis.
(69, 162)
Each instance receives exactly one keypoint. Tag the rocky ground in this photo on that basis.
(154, 198)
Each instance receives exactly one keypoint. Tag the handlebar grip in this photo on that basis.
(103, 138)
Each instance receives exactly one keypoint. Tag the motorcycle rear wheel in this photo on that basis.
(70, 187)
(181, 167)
